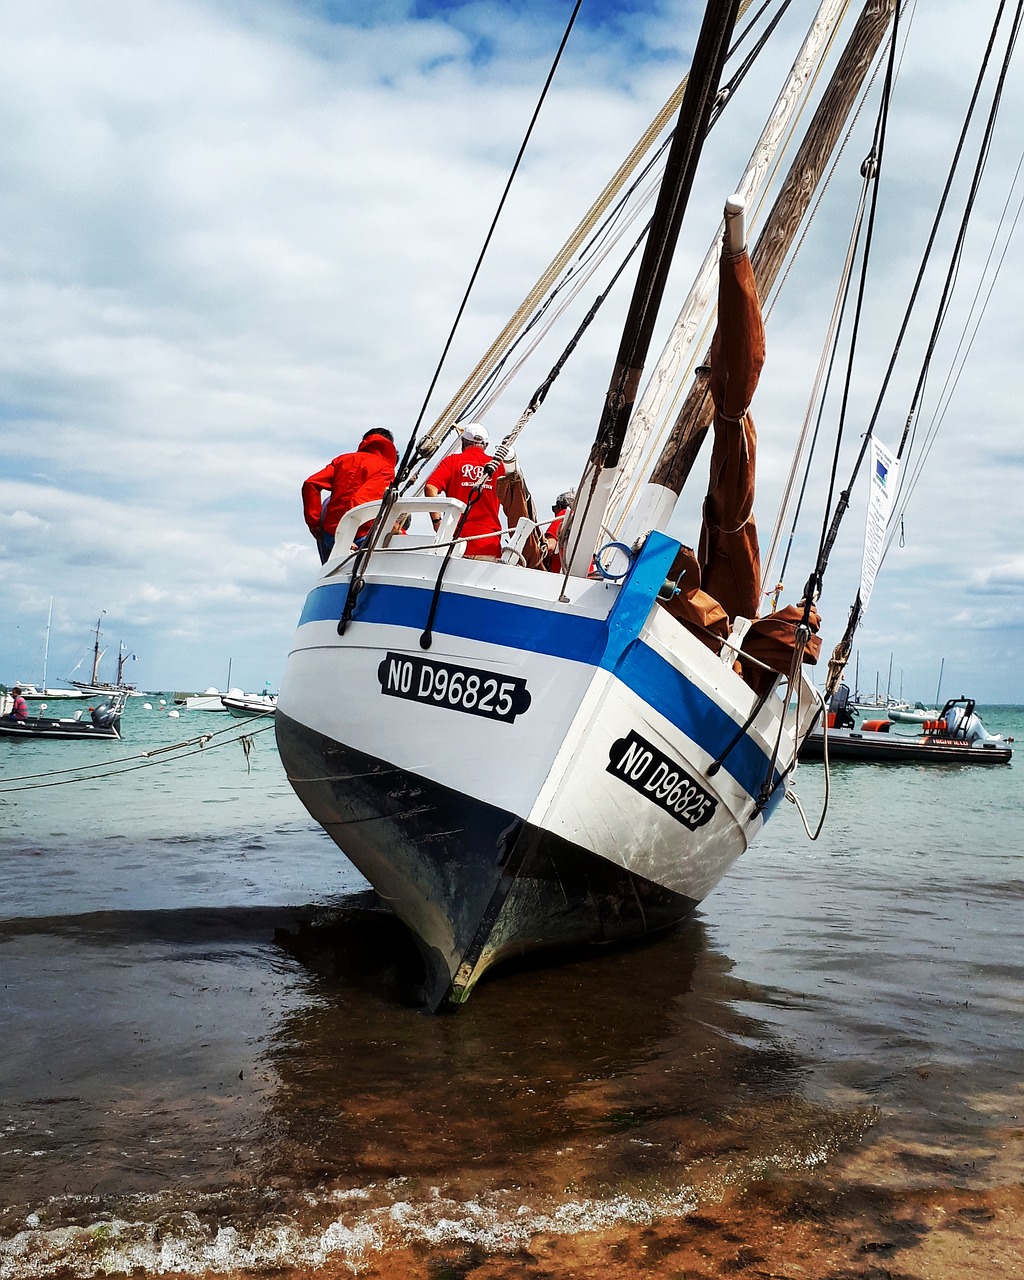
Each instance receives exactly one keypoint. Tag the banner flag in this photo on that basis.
(884, 469)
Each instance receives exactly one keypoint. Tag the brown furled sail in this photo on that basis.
(696, 415)
(729, 557)
(725, 580)
(517, 504)
(773, 640)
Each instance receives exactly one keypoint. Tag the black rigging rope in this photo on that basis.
(487, 239)
(829, 536)
(874, 159)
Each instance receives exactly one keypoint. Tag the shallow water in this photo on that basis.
(212, 1060)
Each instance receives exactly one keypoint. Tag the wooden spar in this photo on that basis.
(697, 413)
(663, 233)
(680, 168)
(448, 416)
(626, 518)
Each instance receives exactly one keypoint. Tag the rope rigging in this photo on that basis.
(972, 324)
(413, 459)
(597, 247)
(90, 772)
(842, 650)
(829, 534)
(490, 233)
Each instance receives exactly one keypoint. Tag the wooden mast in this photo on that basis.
(680, 168)
(697, 413)
(445, 422)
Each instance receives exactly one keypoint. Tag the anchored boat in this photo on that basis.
(955, 735)
(104, 721)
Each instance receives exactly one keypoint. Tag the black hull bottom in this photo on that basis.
(845, 744)
(474, 883)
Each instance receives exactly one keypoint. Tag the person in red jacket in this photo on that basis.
(457, 477)
(350, 479)
(560, 507)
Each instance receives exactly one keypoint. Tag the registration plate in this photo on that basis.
(443, 684)
(659, 779)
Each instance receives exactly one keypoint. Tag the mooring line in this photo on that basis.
(102, 768)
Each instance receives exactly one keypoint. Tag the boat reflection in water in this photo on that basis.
(602, 1069)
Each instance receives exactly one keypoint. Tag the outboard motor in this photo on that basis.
(962, 722)
(839, 714)
(106, 715)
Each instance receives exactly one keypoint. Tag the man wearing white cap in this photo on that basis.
(457, 476)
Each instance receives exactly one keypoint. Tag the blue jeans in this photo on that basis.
(325, 545)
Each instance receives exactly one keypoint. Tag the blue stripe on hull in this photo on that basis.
(611, 645)
(516, 626)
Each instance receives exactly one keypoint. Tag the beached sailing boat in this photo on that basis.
(519, 760)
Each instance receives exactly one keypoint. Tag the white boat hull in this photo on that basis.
(539, 775)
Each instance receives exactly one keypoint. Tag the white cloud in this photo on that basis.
(233, 237)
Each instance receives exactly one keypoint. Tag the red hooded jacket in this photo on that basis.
(351, 479)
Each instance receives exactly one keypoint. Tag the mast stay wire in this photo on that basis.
(603, 239)
(831, 529)
(965, 345)
(453, 410)
(488, 237)
(952, 275)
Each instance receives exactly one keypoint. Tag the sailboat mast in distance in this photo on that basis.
(46, 643)
(96, 655)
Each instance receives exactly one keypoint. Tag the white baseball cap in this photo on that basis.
(475, 433)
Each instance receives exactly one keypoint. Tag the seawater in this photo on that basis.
(211, 1063)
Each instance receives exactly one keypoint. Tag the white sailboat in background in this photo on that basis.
(42, 692)
(94, 686)
(520, 760)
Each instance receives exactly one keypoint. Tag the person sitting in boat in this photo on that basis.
(350, 479)
(560, 507)
(19, 707)
(459, 475)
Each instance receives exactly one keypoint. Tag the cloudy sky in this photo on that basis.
(234, 235)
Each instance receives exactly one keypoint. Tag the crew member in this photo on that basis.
(457, 476)
(19, 709)
(560, 507)
(350, 479)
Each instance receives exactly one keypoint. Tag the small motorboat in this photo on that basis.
(103, 721)
(916, 715)
(955, 736)
(245, 705)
